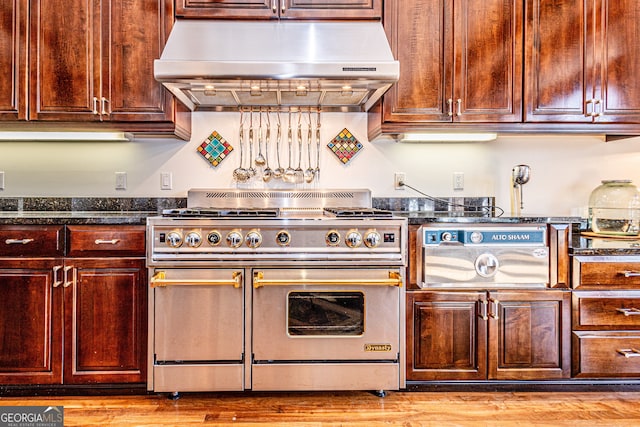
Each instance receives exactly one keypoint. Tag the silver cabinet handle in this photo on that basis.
(95, 105)
(493, 311)
(630, 273)
(588, 104)
(483, 310)
(629, 311)
(449, 107)
(283, 6)
(18, 241)
(597, 108)
(274, 6)
(56, 282)
(629, 352)
(69, 281)
(459, 107)
(104, 102)
(107, 242)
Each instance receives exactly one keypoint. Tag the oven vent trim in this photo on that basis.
(308, 199)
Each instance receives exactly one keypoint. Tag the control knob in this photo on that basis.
(283, 238)
(214, 238)
(193, 239)
(253, 239)
(372, 239)
(332, 238)
(174, 239)
(353, 239)
(234, 239)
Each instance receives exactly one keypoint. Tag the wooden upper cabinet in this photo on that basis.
(13, 59)
(92, 60)
(280, 9)
(582, 61)
(460, 61)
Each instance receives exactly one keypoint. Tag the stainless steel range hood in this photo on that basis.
(224, 65)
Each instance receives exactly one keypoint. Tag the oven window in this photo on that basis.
(325, 313)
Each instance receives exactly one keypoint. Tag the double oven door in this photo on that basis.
(293, 328)
(327, 329)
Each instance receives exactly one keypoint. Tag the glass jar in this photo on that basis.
(614, 208)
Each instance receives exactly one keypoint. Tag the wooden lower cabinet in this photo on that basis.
(30, 322)
(105, 321)
(488, 335)
(72, 320)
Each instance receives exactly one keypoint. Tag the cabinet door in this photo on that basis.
(446, 336)
(274, 9)
(421, 38)
(105, 321)
(558, 81)
(617, 62)
(488, 43)
(13, 59)
(229, 9)
(64, 60)
(133, 36)
(529, 335)
(331, 9)
(30, 321)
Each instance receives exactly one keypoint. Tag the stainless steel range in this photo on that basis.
(276, 290)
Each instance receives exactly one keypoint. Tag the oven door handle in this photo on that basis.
(394, 280)
(159, 280)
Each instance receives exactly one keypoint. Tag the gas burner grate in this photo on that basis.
(358, 212)
(212, 212)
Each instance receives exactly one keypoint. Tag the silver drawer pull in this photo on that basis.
(629, 311)
(18, 241)
(107, 242)
(629, 352)
(630, 273)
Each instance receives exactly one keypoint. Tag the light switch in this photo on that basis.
(121, 180)
(166, 181)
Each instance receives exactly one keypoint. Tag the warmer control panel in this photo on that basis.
(490, 236)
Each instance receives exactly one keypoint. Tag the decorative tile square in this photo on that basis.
(215, 148)
(345, 146)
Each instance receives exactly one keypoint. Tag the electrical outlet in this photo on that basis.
(121, 180)
(2, 180)
(166, 181)
(398, 180)
(458, 180)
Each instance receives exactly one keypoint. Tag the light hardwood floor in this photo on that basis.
(350, 409)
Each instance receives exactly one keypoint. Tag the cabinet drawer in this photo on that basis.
(606, 310)
(610, 274)
(33, 240)
(117, 240)
(602, 354)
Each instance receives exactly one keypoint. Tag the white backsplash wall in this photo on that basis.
(564, 169)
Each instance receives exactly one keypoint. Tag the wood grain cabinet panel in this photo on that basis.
(582, 61)
(105, 321)
(30, 321)
(460, 61)
(495, 335)
(280, 9)
(606, 316)
(73, 320)
(14, 16)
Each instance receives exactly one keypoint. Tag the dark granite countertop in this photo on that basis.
(82, 210)
(594, 246)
